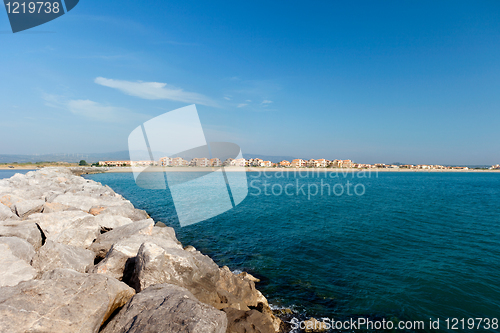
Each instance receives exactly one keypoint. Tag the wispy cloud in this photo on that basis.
(93, 110)
(242, 105)
(155, 90)
(266, 102)
(227, 98)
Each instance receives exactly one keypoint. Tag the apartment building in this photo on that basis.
(284, 164)
(298, 163)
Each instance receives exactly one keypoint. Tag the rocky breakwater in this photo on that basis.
(77, 257)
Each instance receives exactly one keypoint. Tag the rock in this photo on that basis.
(12, 268)
(111, 221)
(28, 207)
(120, 260)
(103, 243)
(63, 302)
(127, 211)
(53, 207)
(75, 228)
(23, 229)
(6, 213)
(313, 325)
(10, 201)
(19, 248)
(193, 271)
(251, 321)
(167, 308)
(248, 276)
(81, 233)
(81, 202)
(53, 255)
(240, 293)
(165, 232)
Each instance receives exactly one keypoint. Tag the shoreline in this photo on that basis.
(298, 170)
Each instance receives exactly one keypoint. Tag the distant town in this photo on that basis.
(257, 162)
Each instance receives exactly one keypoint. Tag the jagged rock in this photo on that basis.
(19, 248)
(12, 268)
(248, 276)
(111, 221)
(75, 228)
(81, 233)
(28, 207)
(167, 308)
(54, 255)
(63, 302)
(120, 260)
(165, 232)
(193, 271)
(240, 293)
(103, 243)
(6, 213)
(251, 321)
(51, 195)
(127, 211)
(23, 229)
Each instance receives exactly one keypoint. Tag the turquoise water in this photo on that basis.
(10, 173)
(410, 246)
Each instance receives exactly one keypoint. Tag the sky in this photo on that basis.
(372, 81)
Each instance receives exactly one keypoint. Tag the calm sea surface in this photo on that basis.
(407, 246)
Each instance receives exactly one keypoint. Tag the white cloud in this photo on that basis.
(93, 110)
(242, 105)
(248, 100)
(154, 90)
(227, 98)
(266, 102)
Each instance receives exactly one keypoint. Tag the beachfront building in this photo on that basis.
(298, 163)
(322, 163)
(179, 161)
(240, 162)
(284, 164)
(494, 167)
(200, 162)
(267, 164)
(347, 164)
(165, 161)
(215, 162)
(336, 164)
(143, 163)
(115, 163)
(312, 163)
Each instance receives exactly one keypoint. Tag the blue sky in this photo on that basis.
(375, 81)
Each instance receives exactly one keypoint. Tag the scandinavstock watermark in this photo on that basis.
(364, 324)
(25, 15)
(309, 183)
(199, 190)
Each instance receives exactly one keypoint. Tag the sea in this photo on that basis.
(404, 247)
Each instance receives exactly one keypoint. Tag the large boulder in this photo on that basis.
(63, 301)
(19, 247)
(54, 255)
(28, 207)
(126, 210)
(103, 243)
(107, 221)
(12, 268)
(75, 228)
(6, 213)
(53, 207)
(251, 321)
(191, 270)
(26, 230)
(169, 309)
(120, 260)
